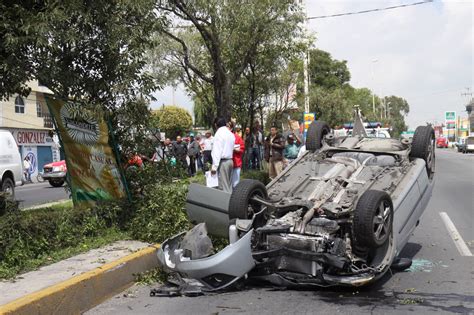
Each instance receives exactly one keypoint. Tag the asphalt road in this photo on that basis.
(440, 279)
(39, 193)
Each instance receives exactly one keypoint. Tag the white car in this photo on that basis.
(10, 164)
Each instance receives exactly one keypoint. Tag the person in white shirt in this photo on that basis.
(222, 151)
(206, 147)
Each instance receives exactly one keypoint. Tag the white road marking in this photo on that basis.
(454, 233)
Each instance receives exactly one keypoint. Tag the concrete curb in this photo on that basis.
(81, 293)
(46, 205)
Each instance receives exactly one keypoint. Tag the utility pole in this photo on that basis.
(306, 83)
(468, 94)
(373, 85)
(305, 62)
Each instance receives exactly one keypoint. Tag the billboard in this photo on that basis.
(93, 172)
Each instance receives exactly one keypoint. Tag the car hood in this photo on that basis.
(59, 163)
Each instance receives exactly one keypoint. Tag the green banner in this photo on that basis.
(91, 164)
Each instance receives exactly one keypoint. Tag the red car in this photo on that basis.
(55, 173)
(441, 143)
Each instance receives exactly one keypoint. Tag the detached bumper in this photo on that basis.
(215, 272)
(54, 175)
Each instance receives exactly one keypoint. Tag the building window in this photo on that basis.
(19, 105)
(39, 110)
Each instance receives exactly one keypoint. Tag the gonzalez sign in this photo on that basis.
(93, 171)
(31, 137)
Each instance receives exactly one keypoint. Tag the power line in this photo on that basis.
(368, 11)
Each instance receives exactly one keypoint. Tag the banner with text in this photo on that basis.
(92, 167)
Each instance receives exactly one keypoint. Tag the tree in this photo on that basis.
(230, 33)
(324, 71)
(394, 111)
(173, 120)
(89, 51)
(331, 106)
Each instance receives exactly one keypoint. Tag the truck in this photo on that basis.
(10, 164)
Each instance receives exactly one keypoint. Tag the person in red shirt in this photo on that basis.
(134, 160)
(239, 149)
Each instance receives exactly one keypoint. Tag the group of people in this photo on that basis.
(220, 154)
(228, 151)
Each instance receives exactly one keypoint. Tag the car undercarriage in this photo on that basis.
(339, 215)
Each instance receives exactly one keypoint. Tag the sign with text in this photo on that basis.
(31, 137)
(450, 120)
(92, 167)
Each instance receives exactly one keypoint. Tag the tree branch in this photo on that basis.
(186, 57)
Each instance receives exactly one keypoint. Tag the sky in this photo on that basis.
(422, 53)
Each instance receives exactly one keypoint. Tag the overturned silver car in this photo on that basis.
(338, 215)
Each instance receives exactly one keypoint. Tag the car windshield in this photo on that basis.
(470, 140)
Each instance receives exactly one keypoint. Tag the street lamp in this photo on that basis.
(373, 84)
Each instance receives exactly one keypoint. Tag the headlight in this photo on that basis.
(58, 168)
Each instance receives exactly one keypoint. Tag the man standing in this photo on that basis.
(193, 151)
(256, 143)
(291, 149)
(206, 150)
(179, 150)
(199, 155)
(274, 146)
(26, 169)
(222, 151)
(239, 150)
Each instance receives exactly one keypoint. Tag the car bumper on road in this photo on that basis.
(230, 264)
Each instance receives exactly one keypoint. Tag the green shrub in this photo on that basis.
(258, 175)
(36, 234)
(160, 214)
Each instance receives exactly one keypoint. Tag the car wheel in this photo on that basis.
(314, 137)
(8, 188)
(422, 147)
(56, 183)
(240, 204)
(373, 219)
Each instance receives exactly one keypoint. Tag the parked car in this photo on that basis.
(441, 142)
(469, 145)
(338, 215)
(11, 169)
(461, 144)
(55, 173)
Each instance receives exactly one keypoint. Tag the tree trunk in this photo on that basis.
(222, 95)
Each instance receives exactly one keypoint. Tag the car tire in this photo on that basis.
(315, 135)
(8, 187)
(422, 147)
(56, 183)
(240, 205)
(373, 219)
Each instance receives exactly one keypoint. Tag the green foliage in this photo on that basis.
(160, 214)
(258, 175)
(395, 111)
(173, 120)
(226, 40)
(31, 238)
(91, 51)
(327, 72)
(330, 106)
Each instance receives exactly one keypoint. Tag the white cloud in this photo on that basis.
(425, 52)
